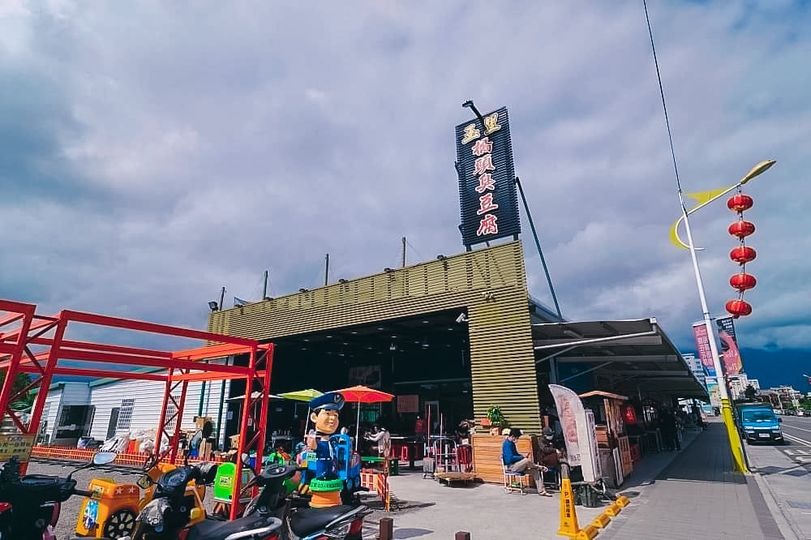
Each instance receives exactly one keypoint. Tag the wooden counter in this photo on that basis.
(487, 456)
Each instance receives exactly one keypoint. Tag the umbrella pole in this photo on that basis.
(357, 428)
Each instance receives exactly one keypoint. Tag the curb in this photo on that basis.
(785, 525)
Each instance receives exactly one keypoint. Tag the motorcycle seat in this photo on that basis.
(217, 530)
(309, 520)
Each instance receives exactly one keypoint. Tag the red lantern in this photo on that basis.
(738, 308)
(629, 414)
(740, 202)
(743, 254)
(741, 229)
(743, 281)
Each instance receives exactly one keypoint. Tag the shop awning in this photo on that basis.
(629, 356)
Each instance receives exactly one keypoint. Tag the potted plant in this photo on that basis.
(494, 419)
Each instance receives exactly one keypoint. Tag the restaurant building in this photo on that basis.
(459, 334)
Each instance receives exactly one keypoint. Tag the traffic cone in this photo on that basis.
(568, 515)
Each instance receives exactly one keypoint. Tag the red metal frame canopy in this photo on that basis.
(35, 344)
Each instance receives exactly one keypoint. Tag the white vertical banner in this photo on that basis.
(592, 469)
(581, 441)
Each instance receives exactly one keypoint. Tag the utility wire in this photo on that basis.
(415, 250)
(664, 103)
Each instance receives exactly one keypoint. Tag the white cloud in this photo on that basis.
(195, 145)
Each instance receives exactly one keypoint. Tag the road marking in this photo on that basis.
(797, 439)
(792, 426)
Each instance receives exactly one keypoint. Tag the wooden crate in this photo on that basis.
(625, 456)
(487, 456)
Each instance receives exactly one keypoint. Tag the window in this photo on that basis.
(125, 414)
(171, 415)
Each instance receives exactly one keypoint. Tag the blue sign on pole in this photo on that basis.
(487, 192)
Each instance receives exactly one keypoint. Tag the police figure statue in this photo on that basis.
(324, 416)
(322, 478)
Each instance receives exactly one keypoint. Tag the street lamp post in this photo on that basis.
(738, 459)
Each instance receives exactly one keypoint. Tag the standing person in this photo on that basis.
(517, 463)
(382, 438)
(670, 435)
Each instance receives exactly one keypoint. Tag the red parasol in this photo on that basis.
(363, 394)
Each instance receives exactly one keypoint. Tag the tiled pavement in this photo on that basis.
(697, 496)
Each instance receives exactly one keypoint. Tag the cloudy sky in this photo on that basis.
(152, 152)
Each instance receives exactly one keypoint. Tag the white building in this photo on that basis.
(104, 407)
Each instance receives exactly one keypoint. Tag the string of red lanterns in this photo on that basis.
(742, 254)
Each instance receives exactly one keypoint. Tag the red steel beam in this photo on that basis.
(89, 346)
(212, 351)
(8, 319)
(42, 322)
(204, 376)
(154, 328)
(15, 351)
(112, 374)
(74, 354)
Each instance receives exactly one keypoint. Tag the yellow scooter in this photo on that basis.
(111, 510)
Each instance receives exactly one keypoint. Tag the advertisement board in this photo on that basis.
(714, 392)
(16, 445)
(488, 197)
(578, 432)
(703, 347)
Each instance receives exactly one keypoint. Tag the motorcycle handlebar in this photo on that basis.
(83, 493)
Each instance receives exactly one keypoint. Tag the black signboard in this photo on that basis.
(487, 193)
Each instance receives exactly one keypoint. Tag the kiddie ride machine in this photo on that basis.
(333, 468)
(111, 510)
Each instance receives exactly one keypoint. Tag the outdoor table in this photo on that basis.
(372, 460)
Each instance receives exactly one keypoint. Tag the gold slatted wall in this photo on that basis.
(490, 283)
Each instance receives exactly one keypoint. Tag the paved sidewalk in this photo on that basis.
(697, 496)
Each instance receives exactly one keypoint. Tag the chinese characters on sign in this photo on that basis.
(488, 198)
(703, 346)
(16, 445)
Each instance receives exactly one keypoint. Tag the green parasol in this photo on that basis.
(303, 395)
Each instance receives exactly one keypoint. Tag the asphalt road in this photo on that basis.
(786, 472)
(797, 430)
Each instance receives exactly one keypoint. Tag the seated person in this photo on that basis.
(515, 462)
(550, 456)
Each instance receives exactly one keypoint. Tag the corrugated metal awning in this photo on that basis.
(633, 354)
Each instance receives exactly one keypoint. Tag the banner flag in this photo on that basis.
(703, 346)
(729, 345)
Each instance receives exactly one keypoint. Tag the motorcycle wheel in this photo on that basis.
(120, 523)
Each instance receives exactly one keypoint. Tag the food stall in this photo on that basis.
(612, 436)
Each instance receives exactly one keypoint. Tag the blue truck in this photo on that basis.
(758, 423)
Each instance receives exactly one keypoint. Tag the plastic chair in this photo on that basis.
(554, 483)
(514, 480)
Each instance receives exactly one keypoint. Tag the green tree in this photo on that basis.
(20, 381)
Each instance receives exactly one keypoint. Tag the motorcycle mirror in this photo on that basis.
(103, 458)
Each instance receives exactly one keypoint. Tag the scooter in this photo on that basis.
(111, 512)
(268, 516)
(169, 513)
(299, 522)
(31, 503)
